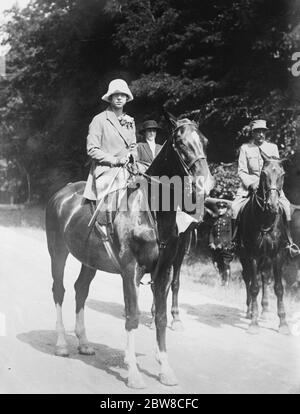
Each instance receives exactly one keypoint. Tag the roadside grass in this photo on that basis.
(204, 278)
(24, 216)
(28, 220)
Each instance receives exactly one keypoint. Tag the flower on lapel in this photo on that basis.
(126, 120)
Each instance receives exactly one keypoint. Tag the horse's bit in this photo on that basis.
(264, 199)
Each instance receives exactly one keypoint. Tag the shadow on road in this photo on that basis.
(217, 315)
(115, 309)
(106, 358)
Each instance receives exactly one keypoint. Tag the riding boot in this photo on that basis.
(291, 246)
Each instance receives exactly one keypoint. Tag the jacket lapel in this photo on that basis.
(148, 151)
(157, 149)
(112, 118)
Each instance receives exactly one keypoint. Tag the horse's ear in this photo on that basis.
(172, 121)
(264, 156)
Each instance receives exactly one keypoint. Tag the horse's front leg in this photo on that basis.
(130, 290)
(278, 287)
(247, 278)
(152, 322)
(161, 288)
(266, 281)
(82, 286)
(254, 291)
(176, 324)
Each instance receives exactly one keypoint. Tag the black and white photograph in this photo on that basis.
(149, 199)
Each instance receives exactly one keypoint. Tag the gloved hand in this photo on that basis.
(253, 186)
(120, 161)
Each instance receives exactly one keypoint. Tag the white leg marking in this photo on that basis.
(84, 347)
(80, 328)
(130, 358)
(166, 375)
(135, 379)
(60, 329)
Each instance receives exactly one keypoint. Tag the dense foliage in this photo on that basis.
(222, 62)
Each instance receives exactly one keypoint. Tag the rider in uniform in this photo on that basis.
(250, 165)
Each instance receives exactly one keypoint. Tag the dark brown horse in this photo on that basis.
(184, 241)
(262, 240)
(183, 245)
(141, 245)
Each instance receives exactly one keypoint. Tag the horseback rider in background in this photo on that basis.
(250, 164)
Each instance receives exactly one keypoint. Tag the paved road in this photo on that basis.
(214, 354)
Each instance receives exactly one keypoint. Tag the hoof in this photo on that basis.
(284, 329)
(136, 381)
(61, 351)
(177, 326)
(248, 315)
(86, 350)
(168, 379)
(253, 329)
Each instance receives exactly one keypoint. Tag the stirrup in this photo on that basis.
(293, 250)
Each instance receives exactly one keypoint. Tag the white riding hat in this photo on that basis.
(117, 86)
(259, 124)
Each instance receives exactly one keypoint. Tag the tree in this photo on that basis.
(229, 60)
(60, 57)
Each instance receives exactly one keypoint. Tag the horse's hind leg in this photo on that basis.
(278, 287)
(58, 252)
(131, 279)
(82, 285)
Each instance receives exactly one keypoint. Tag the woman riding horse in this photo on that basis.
(138, 244)
(110, 142)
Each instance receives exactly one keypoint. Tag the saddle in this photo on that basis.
(107, 213)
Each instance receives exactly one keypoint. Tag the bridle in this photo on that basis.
(262, 201)
(186, 167)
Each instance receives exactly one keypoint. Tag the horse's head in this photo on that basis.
(271, 182)
(190, 146)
